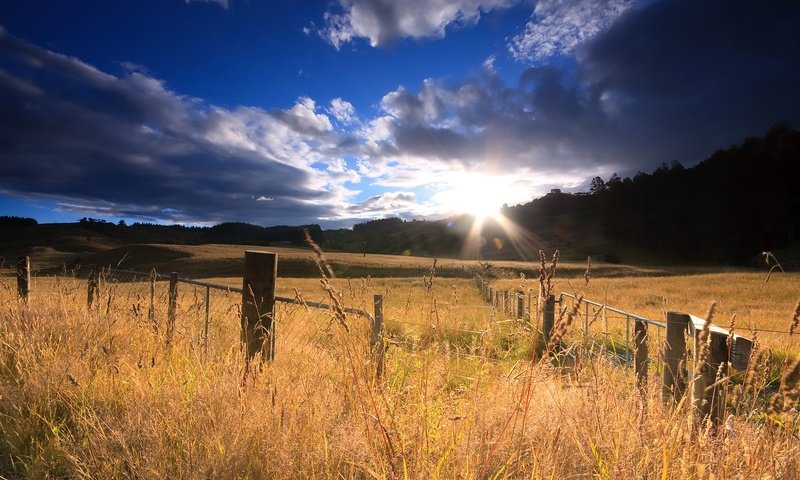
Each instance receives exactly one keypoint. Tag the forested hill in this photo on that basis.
(727, 209)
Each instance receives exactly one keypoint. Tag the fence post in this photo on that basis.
(258, 304)
(586, 325)
(628, 335)
(151, 312)
(205, 327)
(377, 345)
(92, 287)
(172, 305)
(548, 321)
(23, 277)
(640, 356)
(530, 308)
(674, 386)
(708, 396)
(520, 305)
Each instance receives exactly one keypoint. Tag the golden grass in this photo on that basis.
(97, 394)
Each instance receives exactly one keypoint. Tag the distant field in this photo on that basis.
(226, 260)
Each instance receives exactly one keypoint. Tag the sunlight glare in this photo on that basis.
(476, 194)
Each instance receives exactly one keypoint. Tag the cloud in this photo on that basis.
(343, 111)
(131, 146)
(391, 203)
(625, 106)
(382, 22)
(654, 85)
(557, 27)
(680, 78)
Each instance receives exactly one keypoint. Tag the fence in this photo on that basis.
(256, 307)
(708, 395)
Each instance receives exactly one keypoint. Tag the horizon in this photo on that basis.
(340, 112)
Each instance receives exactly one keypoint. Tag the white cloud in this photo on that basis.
(384, 21)
(559, 26)
(343, 111)
(384, 204)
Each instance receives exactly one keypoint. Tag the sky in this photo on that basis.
(340, 111)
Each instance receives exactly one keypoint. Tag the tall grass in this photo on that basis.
(95, 393)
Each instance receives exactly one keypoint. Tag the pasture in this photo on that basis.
(96, 392)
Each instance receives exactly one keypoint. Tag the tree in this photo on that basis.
(598, 186)
(613, 182)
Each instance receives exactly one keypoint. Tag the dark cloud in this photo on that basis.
(129, 147)
(681, 78)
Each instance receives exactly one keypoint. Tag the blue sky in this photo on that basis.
(338, 111)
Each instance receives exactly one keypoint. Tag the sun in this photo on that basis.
(478, 195)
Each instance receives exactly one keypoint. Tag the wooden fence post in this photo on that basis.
(258, 304)
(92, 287)
(548, 322)
(151, 312)
(520, 305)
(674, 386)
(586, 325)
(205, 325)
(172, 306)
(708, 396)
(530, 308)
(378, 347)
(640, 357)
(24, 277)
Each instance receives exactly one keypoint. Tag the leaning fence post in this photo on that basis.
(378, 347)
(172, 305)
(258, 304)
(23, 277)
(640, 356)
(674, 385)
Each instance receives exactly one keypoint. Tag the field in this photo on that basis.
(98, 393)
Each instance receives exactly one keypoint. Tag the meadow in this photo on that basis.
(96, 392)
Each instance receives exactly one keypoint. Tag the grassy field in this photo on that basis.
(97, 392)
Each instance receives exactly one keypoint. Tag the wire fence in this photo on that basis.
(209, 316)
(508, 326)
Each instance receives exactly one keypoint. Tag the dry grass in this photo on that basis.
(97, 394)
